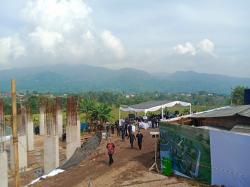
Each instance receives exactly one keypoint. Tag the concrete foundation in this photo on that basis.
(22, 153)
(51, 153)
(59, 119)
(30, 135)
(72, 139)
(3, 169)
(42, 122)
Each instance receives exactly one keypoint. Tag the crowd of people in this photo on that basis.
(126, 130)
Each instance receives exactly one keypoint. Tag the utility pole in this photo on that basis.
(14, 133)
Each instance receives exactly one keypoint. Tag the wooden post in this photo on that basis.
(14, 133)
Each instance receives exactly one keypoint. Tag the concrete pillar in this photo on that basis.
(3, 169)
(72, 139)
(11, 155)
(30, 135)
(51, 153)
(78, 132)
(59, 119)
(22, 153)
(42, 121)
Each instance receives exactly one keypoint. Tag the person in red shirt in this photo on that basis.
(111, 149)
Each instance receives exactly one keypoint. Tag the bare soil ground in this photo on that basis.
(130, 168)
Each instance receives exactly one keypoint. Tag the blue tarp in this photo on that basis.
(84, 127)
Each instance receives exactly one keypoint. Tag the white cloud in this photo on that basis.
(64, 29)
(47, 40)
(88, 36)
(63, 15)
(60, 31)
(186, 48)
(206, 46)
(113, 43)
(10, 48)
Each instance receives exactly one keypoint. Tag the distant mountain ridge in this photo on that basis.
(80, 78)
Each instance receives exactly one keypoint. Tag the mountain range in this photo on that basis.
(80, 78)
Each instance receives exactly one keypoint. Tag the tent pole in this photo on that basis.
(162, 113)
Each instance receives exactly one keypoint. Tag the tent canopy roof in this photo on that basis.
(151, 106)
(241, 110)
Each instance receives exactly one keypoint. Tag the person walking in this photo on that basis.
(112, 128)
(107, 130)
(111, 149)
(129, 130)
(123, 133)
(132, 138)
(126, 128)
(117, 128)
(139, 137)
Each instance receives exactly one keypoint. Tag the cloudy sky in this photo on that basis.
(157, 36)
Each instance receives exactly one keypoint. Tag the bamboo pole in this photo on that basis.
(14, 133)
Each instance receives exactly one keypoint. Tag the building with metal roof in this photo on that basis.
(225, 117)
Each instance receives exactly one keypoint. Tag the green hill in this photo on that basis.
(78, 78)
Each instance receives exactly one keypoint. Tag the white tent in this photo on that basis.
(152, 106)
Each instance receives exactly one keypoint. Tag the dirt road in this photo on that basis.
(130, 168)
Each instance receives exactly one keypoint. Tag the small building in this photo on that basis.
(226, 117)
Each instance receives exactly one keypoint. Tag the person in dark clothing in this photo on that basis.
(129, 130)
(111, 149)
(107, 129)
(132, 138)
(126, 129)
(123, 133)
(112, 129)
(37, 130)
(117, 128)
(64, 137)
(139, 137)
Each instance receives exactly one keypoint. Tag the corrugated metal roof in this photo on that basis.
(241, 129)
(241, 110)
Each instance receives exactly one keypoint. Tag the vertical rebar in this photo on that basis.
(50, 118)
(72, 111)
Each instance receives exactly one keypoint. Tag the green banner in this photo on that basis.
(188, 148)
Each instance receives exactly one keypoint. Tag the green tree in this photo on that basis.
(89, 108)
(95, 111)
(104, 112)
(237, 95)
